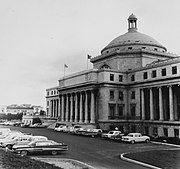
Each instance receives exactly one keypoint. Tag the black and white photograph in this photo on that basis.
(89, 84)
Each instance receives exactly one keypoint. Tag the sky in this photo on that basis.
(37, 37)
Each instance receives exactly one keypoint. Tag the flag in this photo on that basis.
(89, 56)
(66, 66)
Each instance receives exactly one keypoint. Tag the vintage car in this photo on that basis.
(74, 129)
(9, 142)
(117, 137)
(93, 132)
(21, 140)
(135, 137)
(60, 128)
(47, 146)
(111, 134)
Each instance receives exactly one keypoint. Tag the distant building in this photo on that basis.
(23, 108)
(134, 85)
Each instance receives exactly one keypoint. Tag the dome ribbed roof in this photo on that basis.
(133, 37)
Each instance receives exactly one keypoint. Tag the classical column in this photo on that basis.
(76, 107)
(71, 110)
(67, 107)
(171, 104)
(142, 104)
(161, 116)
(62, 107)
(50, 108)
(52, 112)
(151, 105)
(80, 109)
(92, 108)
(59, 108)
(55, 108)
(86, 107)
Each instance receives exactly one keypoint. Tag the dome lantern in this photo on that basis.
(132, 23)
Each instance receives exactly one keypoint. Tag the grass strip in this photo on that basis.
(9, 160)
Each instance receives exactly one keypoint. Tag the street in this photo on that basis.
(97, 152)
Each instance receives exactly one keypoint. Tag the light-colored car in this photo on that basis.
(4, 132)
(135, 137)
(14, 140)
(30, 139)
(111, 133)
(40, 147)
(60, 128)
(75, 128)
(93, 132)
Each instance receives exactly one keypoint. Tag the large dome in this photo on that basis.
(133, 38)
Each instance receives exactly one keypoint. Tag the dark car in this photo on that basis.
(47, 146)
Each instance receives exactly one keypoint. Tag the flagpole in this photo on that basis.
(64, 70)
(87, 62)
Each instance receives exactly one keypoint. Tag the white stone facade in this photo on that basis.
(134, 85)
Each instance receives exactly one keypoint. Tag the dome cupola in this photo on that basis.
(132, 23)
(133, 40)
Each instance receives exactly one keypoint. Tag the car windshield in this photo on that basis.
(130, 135)
(111, 132)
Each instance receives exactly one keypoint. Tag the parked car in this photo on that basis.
(80, 131)
(37, 125)
(67, 129)
(11, 133)
(93, 132)
(14, 140)
(60, 128)
(135, 137)
(48, 146)
(30, 139)
(111, 134)
(4, 132)
(74, 128)
(117, 137)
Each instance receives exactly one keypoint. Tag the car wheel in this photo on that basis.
(132, 141)
(147, 140)
(54, 152)
(9, 146)
(23, 153)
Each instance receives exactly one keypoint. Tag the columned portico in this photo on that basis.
(167, 103)
(76, 107)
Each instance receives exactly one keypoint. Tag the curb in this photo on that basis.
(137, 162)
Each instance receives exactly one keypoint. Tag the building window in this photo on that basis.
(133, 95)
(133, 111)
(111, 94)
(121, 96)
(51, 92)
(145, 75)
(47, 93)
(176, 133)
(174, 70)
(112, 108)
(163, 72)
(120, 78)
(120, 110)
(154, 74)
(111, 77)
(132, 77)
(47, 103)
(165, 132)
(129, 48)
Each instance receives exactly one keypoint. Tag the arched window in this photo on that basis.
(105, 66)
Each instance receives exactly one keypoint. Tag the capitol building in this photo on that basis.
(134, 85)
